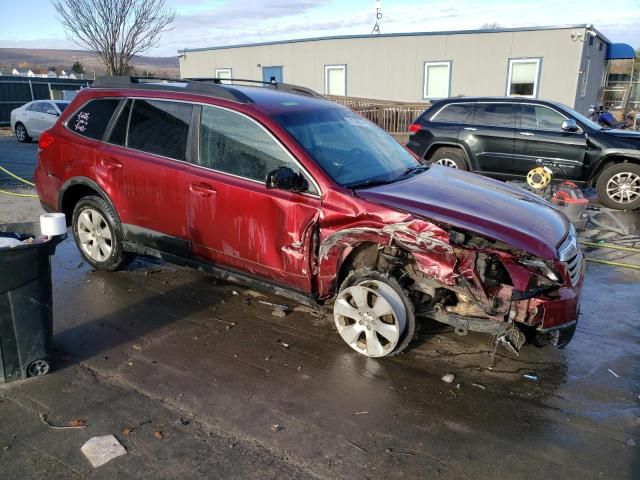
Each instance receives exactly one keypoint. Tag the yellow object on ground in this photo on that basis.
(538, 178)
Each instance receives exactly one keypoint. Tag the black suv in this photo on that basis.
(505, 138)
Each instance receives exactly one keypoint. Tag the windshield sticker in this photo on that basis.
(357, 122)
(82, 122)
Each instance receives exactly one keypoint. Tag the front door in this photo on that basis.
(539, 136)
(272, 74)
(234, 220)
(489, 133)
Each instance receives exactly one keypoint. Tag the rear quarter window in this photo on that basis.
(453, 113)
(92, 119)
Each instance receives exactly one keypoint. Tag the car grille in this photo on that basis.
(571, 255)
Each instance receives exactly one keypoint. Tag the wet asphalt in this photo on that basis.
(19, 158)
(179, 337)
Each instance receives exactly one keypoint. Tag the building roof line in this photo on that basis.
(407, 34)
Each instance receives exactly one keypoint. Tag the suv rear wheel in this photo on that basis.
(619, 186)
(98, 234)
(373, 314)
(449, 157)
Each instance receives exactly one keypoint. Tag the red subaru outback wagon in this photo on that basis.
(274, 185)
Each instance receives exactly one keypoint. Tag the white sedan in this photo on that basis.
(33, 118)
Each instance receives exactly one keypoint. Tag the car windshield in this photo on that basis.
(581, 118)
(61, 106)
(354, 152)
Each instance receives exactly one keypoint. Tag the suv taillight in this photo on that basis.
(46, 140)
(414, 127)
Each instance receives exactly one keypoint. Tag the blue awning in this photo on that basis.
(620, 51)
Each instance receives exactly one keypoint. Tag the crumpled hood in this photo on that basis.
(477, 204)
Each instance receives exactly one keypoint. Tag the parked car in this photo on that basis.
(33, 118)
(277, 187)
(505, 137)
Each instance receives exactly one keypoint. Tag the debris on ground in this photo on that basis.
(128, 431)
(275, 428)
(479, 385)
(138, 347)
(391, 450)
(364, 412)
(631, 442)
(613, 373)
(530, 376)
(278, 312)
(76, 423)
(158, 434)
(233, 292)
(448, 377)
(100, 450)
(356, 446)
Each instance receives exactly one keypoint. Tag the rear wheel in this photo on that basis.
(619, 186)
(21, 133)
(449, 157)
(98, 234)
(373, 314)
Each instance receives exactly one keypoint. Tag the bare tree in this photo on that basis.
(490, 26)
(115, 30)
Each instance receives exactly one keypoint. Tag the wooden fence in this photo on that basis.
(394, 117)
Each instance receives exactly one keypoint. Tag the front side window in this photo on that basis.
(92, 119)
(335, 80)
(160, 127)
(354, 152)
(437, 79)
(62, 106)
(537, 117)
(234, 144)
(494, 114)
(454, 113)
(523, 77)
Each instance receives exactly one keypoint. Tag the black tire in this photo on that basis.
(448, 156)
(614, 175)
(117, 258)
(364, 274)
(21, 133)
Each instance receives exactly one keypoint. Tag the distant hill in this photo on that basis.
(30, 58)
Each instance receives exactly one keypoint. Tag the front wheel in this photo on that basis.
(373, 314)
(619, 186)
(98, 234)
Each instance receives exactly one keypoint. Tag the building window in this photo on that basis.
(223, 73)
(437, 80)
(524, 75)
(585, 77)
(335, 79)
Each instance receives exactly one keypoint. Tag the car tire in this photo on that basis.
(365, 294)
(21, 133)
(98, 234)
(449, 157)
(618, 186)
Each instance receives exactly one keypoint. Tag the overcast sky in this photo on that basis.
(204, 23)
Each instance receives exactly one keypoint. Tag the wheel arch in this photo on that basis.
(608, 160)
(431, 150)
(76, 188)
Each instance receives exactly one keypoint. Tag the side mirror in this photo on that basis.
(569, 125)
(283, 178)
(51, 111)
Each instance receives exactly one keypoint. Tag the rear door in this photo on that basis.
(540, 136)
(490, 136)
(141, 167)
(441, 127)
(234, 220)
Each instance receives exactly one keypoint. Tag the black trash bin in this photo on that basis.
(26, 313)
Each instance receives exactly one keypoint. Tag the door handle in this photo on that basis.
(111, 163)
(202, 189)
(527, 134)
(471, 129)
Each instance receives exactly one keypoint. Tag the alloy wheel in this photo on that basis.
(96, 238)
(446, 162)
(624, 187)
(21, 133)
(370, 318)
(38, 368)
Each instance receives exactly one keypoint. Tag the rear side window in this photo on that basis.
(494, 114)
(35, 107)
(160, 127)
(91, 120)
(61, 106)
(454, 113)
(119, 132)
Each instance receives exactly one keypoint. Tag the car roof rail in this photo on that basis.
(174, 84)
(284, 87)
